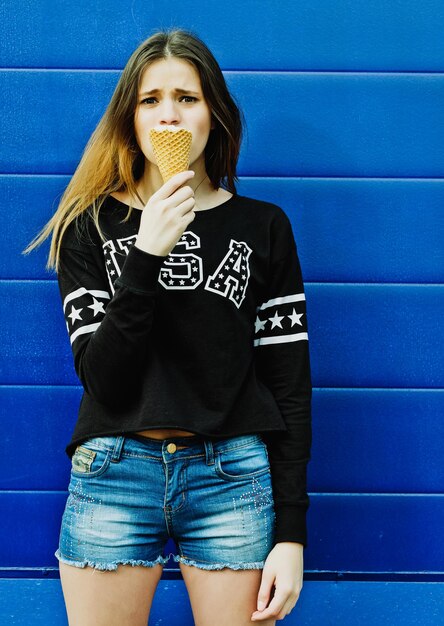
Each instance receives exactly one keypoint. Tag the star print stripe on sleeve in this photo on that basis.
(79, 320)
(286, 325)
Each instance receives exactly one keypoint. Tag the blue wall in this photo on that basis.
(344, 104)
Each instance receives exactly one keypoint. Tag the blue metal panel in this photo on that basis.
(39, 422)
(315, 35)
(349, 426)
(347, 532)
(304, 124)
(370, 440)
(357, 230)
(320, 604)
(346, 229)
(36, 350)
(376, 335)
(376, 532)
(361, 335)
(27, 204)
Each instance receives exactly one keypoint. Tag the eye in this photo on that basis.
(148, 101)
(189, 99)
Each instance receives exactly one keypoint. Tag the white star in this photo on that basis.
(171, 282)
(108, 262)
(227, 267)
(97, 307)
(276, 320)
(193, 280)
(221, 275)
(259, 324)
(112, 272)
(295, 318)
(183, 237)
(216, 285)
(75, 314)
(182, 282)
(195, 269)
(165, 274)
(182, 260)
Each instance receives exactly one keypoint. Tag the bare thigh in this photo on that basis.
(223, 597)
(109, 598)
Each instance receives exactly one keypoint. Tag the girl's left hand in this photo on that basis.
(283, 568)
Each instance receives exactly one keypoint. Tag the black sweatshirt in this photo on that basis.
(211, 338)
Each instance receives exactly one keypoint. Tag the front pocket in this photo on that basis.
(91, 461)
(242, 463)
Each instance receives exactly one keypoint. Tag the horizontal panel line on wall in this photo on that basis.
(98, 70)
(387, 494)
(403, 179)
(54, 386)
(173, 573)
(357, 389)
(317, 494)
(307, 282)
(422, 179)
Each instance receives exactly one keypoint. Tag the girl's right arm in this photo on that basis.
(110, 335)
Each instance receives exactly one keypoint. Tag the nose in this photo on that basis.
(169, 113)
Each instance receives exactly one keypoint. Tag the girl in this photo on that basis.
(184, 304)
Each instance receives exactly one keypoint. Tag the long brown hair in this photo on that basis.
(112, 160)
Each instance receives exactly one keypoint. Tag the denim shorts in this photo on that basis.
(128, 498)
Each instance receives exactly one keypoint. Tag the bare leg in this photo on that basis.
(121, 597)
(223, 597)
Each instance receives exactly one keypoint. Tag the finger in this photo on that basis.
(263, 596)
(174, 183)
(272, 610)
(181, 194)
(185, 207)
(267, 586)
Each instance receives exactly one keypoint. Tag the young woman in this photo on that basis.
(185, 308)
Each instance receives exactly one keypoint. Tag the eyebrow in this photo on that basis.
(181, 91)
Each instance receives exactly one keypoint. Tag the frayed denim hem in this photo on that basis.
(212, 566)
(110, 566)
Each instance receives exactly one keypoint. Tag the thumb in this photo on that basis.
(263, 595)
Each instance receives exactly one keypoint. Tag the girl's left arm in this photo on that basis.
(282, 361)
(283, 364)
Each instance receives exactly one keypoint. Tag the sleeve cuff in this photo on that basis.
(291, 524)
(140, 271)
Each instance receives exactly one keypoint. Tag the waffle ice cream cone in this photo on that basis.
(171, 146)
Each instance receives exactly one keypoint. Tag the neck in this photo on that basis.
(151, 182)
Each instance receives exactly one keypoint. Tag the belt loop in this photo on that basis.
(209, 452)
(117, 451)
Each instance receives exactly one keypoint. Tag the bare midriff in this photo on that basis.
(164, 434)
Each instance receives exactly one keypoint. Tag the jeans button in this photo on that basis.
(171, 447)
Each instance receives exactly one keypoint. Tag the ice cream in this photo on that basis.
(171, 146)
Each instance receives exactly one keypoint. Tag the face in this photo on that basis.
(171, 93)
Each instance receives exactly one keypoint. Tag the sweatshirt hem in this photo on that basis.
(70, 448)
